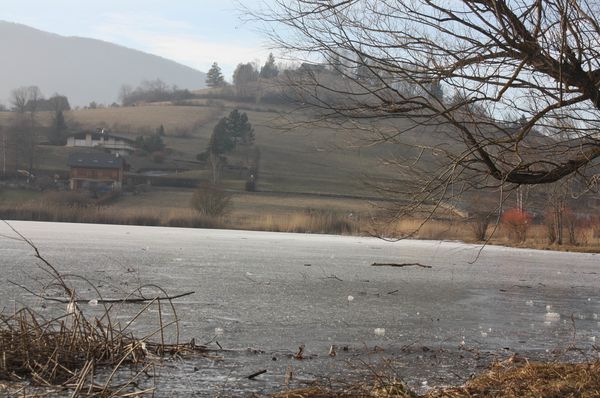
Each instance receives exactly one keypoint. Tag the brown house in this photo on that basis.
(97, 171)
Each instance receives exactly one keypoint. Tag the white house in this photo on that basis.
(115, 144)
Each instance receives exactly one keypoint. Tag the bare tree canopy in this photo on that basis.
(516, 83)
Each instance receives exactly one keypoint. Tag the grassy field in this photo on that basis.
(305, 159)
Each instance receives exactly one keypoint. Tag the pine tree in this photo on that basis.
(221, 140)
(240, 128)
(229, 131)
(58, 130)
(269, 69)
(214, 77)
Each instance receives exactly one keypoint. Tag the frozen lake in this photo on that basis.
(274, 292)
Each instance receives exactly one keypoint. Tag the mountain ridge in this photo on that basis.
(83, 69)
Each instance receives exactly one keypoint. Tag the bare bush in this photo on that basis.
(517, 221)
(479, 224)
(211, 200)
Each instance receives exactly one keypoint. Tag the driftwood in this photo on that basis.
(127, 300)
(104, 301)
(401, 265)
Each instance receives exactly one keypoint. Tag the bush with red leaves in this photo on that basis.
(517, 221)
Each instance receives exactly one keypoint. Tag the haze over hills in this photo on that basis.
(83, 69)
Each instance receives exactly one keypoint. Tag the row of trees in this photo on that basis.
(243, 73)
(559, 208)
(21, 137)
(152, 91)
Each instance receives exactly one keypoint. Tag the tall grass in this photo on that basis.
(303, 222)
(307, 221)
(464, 230)
(81, 354)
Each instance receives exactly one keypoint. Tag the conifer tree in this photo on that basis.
(214, 77)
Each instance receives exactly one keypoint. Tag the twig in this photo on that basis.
(103, 301)
(401, 265)
(260, 372)
(333, 276)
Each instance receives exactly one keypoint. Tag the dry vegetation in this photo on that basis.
(531, 380)
(273, 212)
(503, 380)
(306, 222)
(173, 118)
(84, 355)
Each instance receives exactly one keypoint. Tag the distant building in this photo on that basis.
(114, 144)
(97, 171)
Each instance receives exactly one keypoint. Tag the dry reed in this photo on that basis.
(306, 221)
(82, 355)
(530, 380)
(504, 380)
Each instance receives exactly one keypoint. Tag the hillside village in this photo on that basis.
(283, 172)
(166, 144)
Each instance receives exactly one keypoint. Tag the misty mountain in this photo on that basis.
(83, 69)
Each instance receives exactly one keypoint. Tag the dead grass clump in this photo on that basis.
(382, 389)
(504, 380)
(320, 392)
(431, 229)
(45, 211)
(138, 218)
(194, 221)
(62, 351)
(302, 222)
(531, 379)
(85, 355)
(328, 222)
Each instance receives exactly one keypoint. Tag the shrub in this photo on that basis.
(480, 224)
(572, 223)
(211, 200)
(556, 219)
(550, 223)
(517, 221)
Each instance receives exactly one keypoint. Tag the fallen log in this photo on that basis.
(401, 265)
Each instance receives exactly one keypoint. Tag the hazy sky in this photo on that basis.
(192, 32)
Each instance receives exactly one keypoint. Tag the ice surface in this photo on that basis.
(283, 303)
